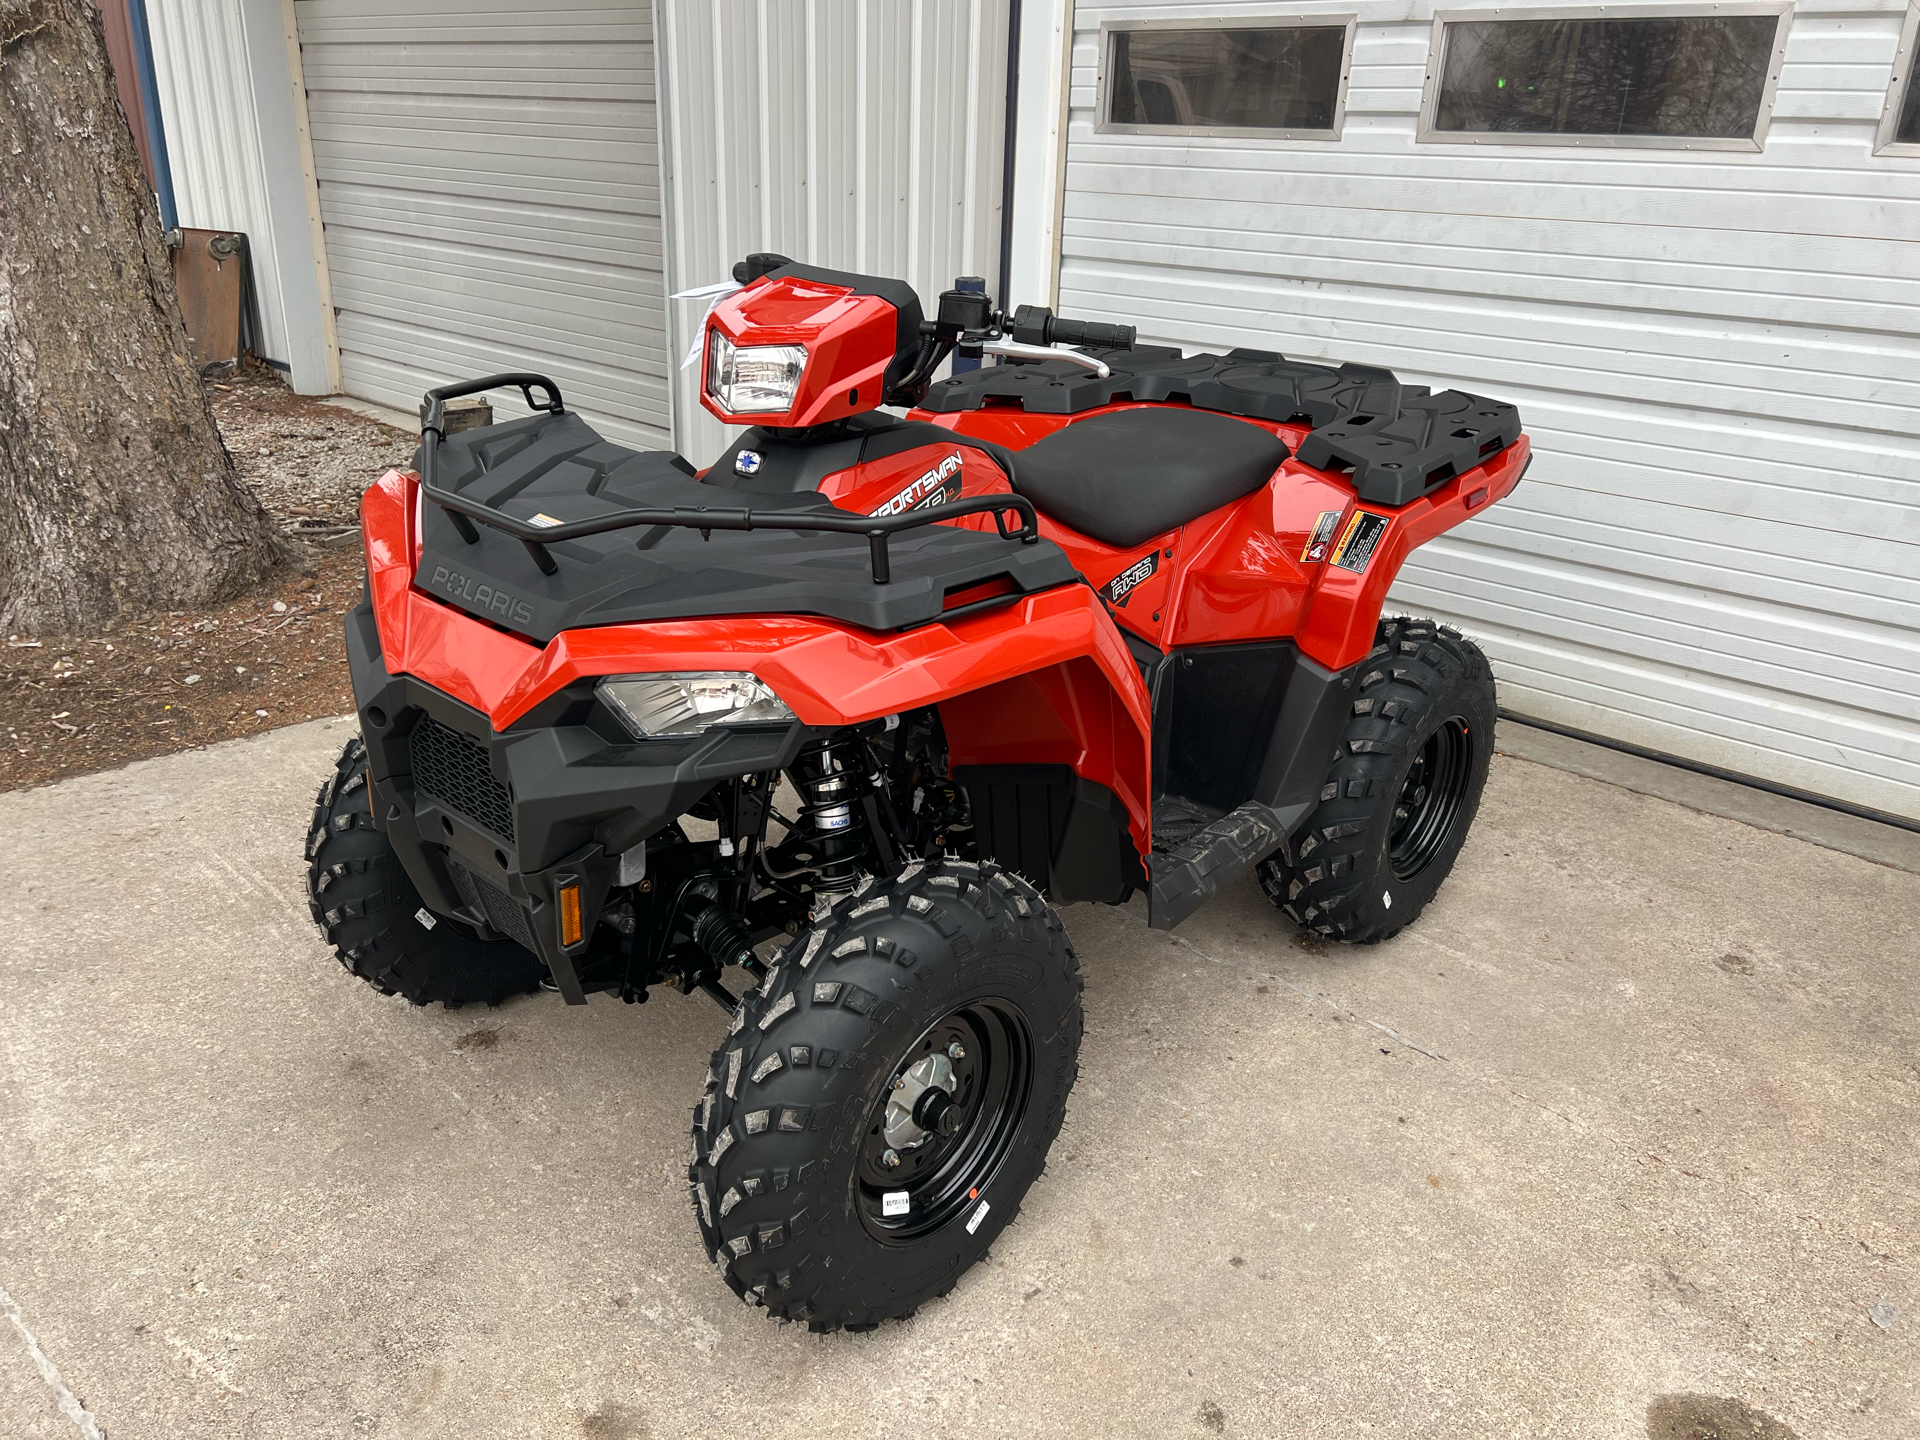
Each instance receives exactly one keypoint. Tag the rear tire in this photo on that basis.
(368, 909)
(957, 979)
(1402, 794)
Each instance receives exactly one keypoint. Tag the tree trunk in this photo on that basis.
(117, 494)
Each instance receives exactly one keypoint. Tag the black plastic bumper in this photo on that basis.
(577, 793)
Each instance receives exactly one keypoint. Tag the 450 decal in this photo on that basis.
(936, 487)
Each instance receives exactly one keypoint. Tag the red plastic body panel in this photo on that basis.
(913, 479)
(850, 340)
(1042, 680)
(1248, 571)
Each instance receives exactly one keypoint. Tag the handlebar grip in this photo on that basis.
(1092, 332)
(1037, 325)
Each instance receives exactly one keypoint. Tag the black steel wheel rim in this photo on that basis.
(944, 1177)
(1430, 801)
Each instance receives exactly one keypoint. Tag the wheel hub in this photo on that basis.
(922, 1104)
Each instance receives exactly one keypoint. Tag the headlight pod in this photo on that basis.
(752, 379)
(656, 706)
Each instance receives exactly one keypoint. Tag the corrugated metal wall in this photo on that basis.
(489, 179)
(1717, 553)
(863, 135)
(206, 91)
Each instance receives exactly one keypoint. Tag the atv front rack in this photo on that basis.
(464, 513)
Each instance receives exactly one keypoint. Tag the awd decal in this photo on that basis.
(1116, 590)
(481, 597)
(936, 487)
(1361, 539)
(1321, 539)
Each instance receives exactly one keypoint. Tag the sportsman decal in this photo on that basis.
(1122, 585)
(936, 487)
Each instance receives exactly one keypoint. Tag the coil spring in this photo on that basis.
(832, 776)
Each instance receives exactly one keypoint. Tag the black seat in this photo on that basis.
(1126, 477)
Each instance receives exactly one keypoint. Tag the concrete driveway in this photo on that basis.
(1618, 1140)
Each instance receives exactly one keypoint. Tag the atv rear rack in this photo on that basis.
(464, 512)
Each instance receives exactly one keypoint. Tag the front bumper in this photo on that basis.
(490, 825)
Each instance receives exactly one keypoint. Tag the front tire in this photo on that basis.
(372, 915)
(885, 1099)
(1402, 795)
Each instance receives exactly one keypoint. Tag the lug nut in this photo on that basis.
(956, 1051)
(891, 1159)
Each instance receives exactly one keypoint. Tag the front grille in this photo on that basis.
(453, 769)
(502, 911)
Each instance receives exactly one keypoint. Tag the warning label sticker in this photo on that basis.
(1361, 539)
(1321, 539)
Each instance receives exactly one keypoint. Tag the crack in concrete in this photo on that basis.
(68, 1402)
(1326, 1000)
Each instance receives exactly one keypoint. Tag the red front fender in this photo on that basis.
(1043, 680)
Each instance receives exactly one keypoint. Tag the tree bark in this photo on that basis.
(117, 494)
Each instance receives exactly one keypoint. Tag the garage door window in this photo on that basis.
(1900, 124)
(1274, 79)
(1615, 76)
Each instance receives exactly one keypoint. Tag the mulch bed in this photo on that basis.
(173, 681)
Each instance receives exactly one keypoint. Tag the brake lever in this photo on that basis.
(1014, 350)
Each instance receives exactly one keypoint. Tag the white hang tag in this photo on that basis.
(980, 1214)
(713, 294)
(894, 1202)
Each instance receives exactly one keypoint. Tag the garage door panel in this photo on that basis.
(489, 121)
(1303, 256)
(602, 237)
(1850, 754)
(490, 184)
(1690, 550)
(1509, 344)
(560, 337)
(511, 283)
(1681, 626)
(612, 71)
(510, 21)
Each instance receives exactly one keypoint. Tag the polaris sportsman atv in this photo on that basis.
(857, 708)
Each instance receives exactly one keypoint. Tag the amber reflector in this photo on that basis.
(570, 913)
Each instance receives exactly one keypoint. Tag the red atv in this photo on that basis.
(857, 708)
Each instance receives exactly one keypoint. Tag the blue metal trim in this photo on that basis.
(150, 106)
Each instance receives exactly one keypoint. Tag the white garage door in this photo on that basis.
(490, 182)
(1717, 553)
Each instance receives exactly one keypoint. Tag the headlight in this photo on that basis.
(753, 379)
(658, 705)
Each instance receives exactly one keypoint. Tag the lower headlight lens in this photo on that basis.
(753, 379)
(654, 706)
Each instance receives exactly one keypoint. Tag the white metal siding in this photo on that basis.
(861, 135)
(206, 91)
(1717, 553)
(489, 179)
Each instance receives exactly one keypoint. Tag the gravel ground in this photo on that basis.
(172, 681)
(308, 462)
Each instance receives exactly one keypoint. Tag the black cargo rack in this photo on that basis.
(877, 529)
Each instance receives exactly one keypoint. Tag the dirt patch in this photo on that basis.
(485, 1038)
(173, 681)
(308, 462)
(1710, 1417)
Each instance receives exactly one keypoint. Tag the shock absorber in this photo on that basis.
(832, 778)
